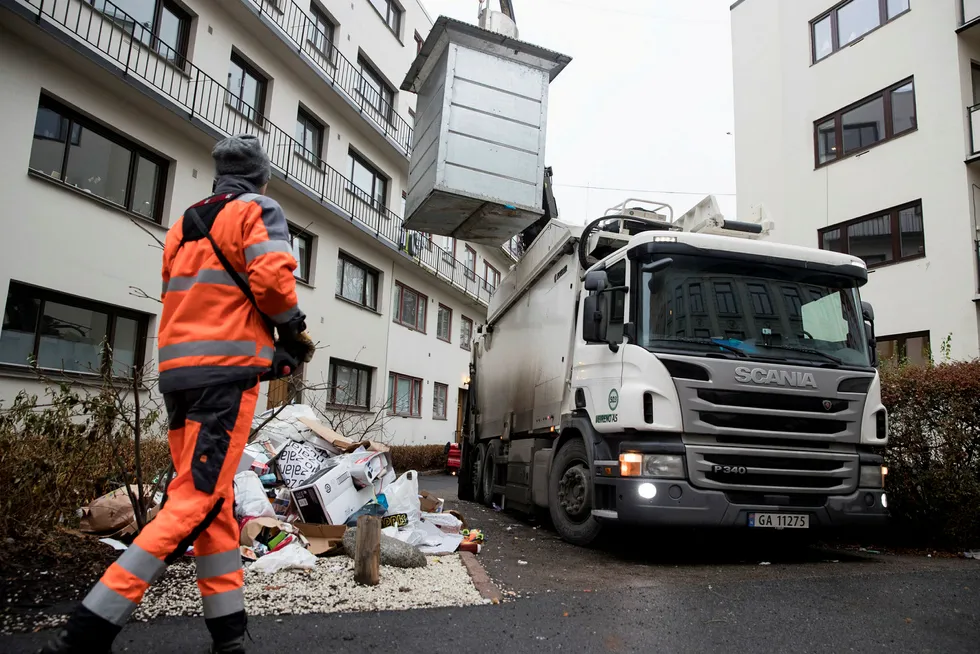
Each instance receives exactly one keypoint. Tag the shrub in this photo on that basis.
(418, 457)
(933, 455)
(59, 453)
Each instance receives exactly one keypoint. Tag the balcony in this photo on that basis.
(292, 24)
(112, 39)
(974, 114)
(970, 11)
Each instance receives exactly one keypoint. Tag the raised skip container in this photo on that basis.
(477, 168)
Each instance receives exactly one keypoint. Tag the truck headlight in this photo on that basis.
(872, 477)
(630, 464)
(663, 465)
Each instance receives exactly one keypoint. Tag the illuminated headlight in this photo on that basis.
(647, 491)
(884, 501)
(872, 476)
(663, 465)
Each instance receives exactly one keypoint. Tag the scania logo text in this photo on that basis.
(771, 377)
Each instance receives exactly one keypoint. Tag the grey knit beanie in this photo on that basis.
(242, 156)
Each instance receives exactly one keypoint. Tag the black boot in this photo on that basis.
(228, 633)
(85, 632)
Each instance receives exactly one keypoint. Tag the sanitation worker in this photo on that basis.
(216, 340)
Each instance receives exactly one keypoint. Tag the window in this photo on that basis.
(86, 156)
(444, 325)
(465, 333)
(725, 298)
(849, 21)
(410, 307)
(419, 41)
(246, 89)
(61, 332)
(321, 32)
(405, 395)
(697, 301)
(883, 116)
(491, 277)
(303, 252)
(894, 235)
(448, 246)
(350, 384)
(440, 396)
(469, 261)
(375, 90)
(309, 137)
(761, 304)
(368, 184)
(909, 348)
(391, 13)
(160, 24)
(357, 283)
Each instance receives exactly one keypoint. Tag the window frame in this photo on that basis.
(901, 344)
(332, 384)
(419, 42)
(297, 232)
(837, 117)
(377, 176)
(183, 37)
(112, 313)
(436, 386)
(343, 257)
(465, 344)
(449, 327)
(319, 16)
(110, 134)
(414, 401)
(393, 10)
(894, 214)
(318, 128)
(835, 46)
(421, 304)
(263, 83)
(467, 251)
(367, 69)
(487, 269)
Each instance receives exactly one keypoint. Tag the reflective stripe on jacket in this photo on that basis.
(209, 331)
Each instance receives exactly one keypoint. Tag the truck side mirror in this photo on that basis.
(596, 281)
(595, 318)
(868, 314)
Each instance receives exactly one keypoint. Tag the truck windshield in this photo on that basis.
(758, 311)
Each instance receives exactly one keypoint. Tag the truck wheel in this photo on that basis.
(489, 473)
(478, 457)
(570, 495)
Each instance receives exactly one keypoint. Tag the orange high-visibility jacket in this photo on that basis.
(209, 331)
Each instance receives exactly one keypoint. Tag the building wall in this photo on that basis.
(779, 95)
(61, 240)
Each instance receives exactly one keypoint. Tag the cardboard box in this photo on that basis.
(329, 496)
(430, 503)
(323, 539)
(366, 467)
(300, 461)
(252, 529)
(339, 441)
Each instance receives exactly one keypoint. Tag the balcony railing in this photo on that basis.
(971, 11)
(974, 112)
(108, 32)
(299, 28)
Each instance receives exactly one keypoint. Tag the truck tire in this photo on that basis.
(479, 455)
(570, 495)
(489, 473)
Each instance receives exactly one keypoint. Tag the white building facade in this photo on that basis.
(857, 131)
(110, 113)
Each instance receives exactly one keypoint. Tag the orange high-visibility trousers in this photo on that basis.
(209, 428)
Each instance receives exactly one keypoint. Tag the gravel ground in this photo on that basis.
(329, 588)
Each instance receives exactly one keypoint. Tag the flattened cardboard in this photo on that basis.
(254, 527)
(323, 539)
(339, 441)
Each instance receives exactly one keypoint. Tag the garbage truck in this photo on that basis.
(642, 370)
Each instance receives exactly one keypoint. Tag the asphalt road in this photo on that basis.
(640, 593)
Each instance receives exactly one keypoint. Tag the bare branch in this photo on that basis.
(147, 230)
(136, 291)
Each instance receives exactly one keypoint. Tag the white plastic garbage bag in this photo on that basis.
(291, 557)
(403, 497)
(250, 498)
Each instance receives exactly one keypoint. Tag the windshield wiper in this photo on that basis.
(807, 350)
(704, 341)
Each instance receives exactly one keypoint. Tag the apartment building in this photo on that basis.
(110, 110)
(857, 130)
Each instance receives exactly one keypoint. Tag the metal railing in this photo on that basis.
(300, 28)
(113, 34)
(971, 10)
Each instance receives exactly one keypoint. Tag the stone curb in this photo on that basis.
(481, 580)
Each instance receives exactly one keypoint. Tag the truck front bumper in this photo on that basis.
(678, 503)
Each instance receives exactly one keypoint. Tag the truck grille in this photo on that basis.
(771, 423)
(782, 402)
(776, 471)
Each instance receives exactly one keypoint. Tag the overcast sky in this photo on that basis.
(645, 105)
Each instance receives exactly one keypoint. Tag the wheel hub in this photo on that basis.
(573, 492)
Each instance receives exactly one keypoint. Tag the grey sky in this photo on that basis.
(645, 104)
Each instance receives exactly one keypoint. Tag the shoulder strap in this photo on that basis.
(235, 276)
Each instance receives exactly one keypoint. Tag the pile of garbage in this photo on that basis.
(300, 486)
